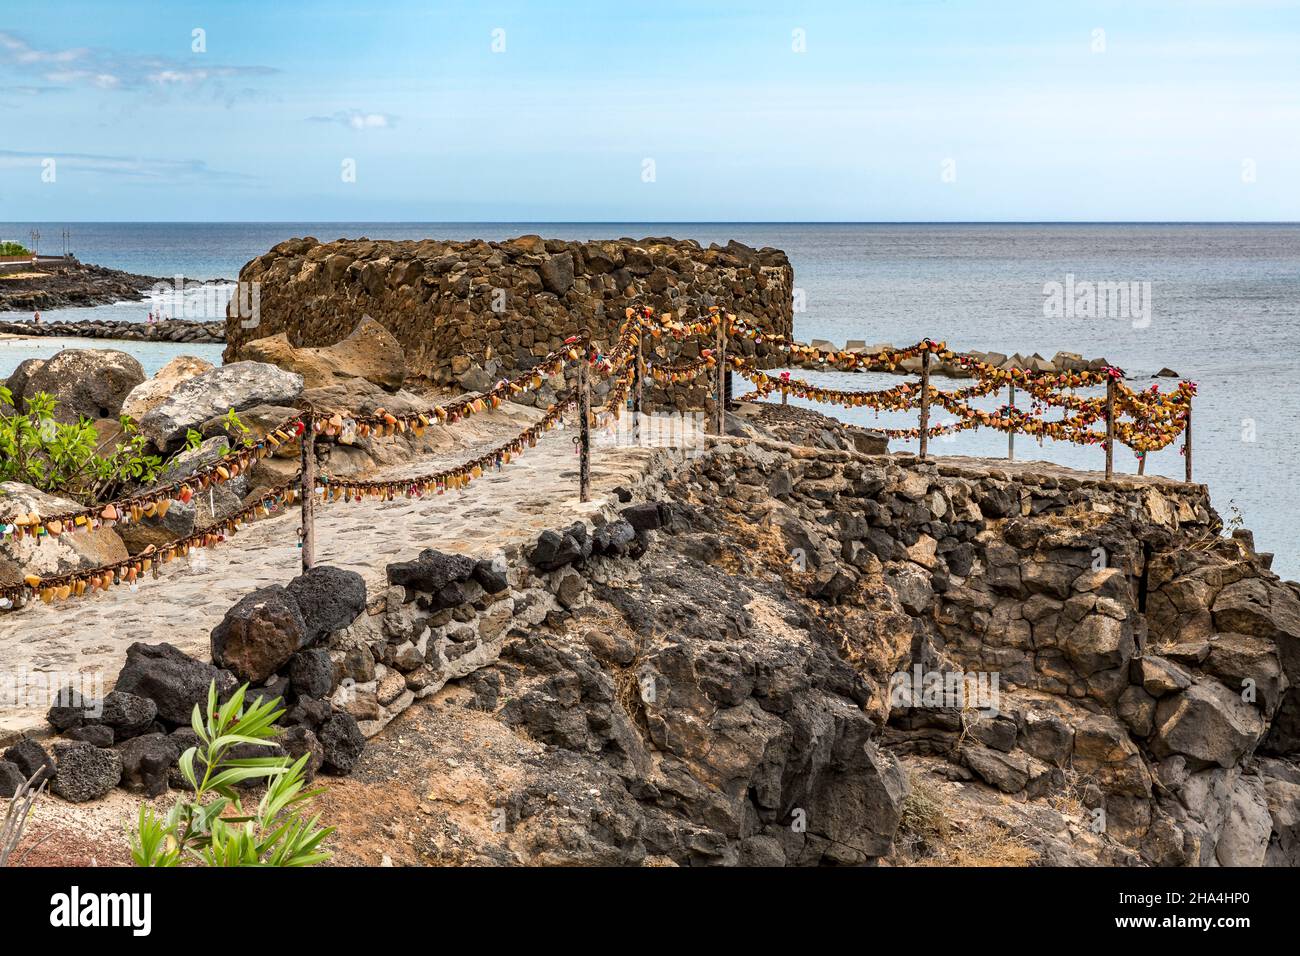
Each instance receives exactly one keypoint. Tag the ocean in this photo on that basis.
(1216, 303)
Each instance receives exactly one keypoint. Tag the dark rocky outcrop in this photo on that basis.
(173, 680)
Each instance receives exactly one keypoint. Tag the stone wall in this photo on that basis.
(471, 312)
(1148, 668)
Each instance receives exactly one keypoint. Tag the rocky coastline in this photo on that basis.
(69, 283)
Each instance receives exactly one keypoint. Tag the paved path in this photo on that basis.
(537, 491)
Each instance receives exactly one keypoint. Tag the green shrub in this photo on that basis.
(68, 459)
(71, 460)
(14, 249)
(210, 827)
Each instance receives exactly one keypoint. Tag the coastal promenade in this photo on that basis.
(538, 491)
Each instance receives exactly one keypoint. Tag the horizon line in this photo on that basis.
(663, 222)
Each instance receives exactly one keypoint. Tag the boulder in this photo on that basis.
(370, 352)
(311, 673)
(173, 680)
(96, 734)
(31, 759)
(127, 714)
(146, 761)
(11, 778)
(85, 772)
(298, 740)
(555, 549)
(557, 273)
(329, 599)
(341, 743)
(214, 393)
(206, 507)
(87, 383)
(1208, 722)
(259, 634)
(49, 556)
(149, 394)
(431, 571)
(17, 382)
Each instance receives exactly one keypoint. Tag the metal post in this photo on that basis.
(1187, 442)
(1011, 434)
(308, 490)
(636, 408)
(720, 411)
(925, 402)
(584, 430)
(1110, 428)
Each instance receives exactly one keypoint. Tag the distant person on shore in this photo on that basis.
(37, 318)
(149, 321)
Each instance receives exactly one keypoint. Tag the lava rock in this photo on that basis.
(311, 673)
(299, 740)
(646, 516)
(554, 550)
(259, 634)
(96, 734)
(146, 761)
(86, 772)
(11, 778)
(329, 599)
(431, 571)
(613, 538)
(492, 580)
(341, 743)
(30, 758)
(128, 714)
(173, 680)
(70, 709)
(308, 712)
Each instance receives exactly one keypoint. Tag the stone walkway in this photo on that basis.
(537, 491)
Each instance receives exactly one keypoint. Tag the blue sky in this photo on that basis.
(911, 110)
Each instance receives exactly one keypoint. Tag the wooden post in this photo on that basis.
(1142, 463)
(1110, 428)
(584, 429)
(1187, 442)
(1011, 435)
(785, 396)
(308, 490)
(720, 411)
(636, 408)
(925, 402)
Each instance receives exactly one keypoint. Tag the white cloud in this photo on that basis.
(358, 119)
(108, 70)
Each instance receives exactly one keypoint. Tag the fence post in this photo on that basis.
(584, 428)
(1187, 442)
(1110, 427)
(308, 490)
(1011, 435)
(636, 408)
(720, 411)
(925, 400)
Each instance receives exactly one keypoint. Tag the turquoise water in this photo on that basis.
(1225, 313)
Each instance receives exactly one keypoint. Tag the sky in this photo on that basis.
(866, 110)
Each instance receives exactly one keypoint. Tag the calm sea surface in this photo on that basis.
(1225, 312)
